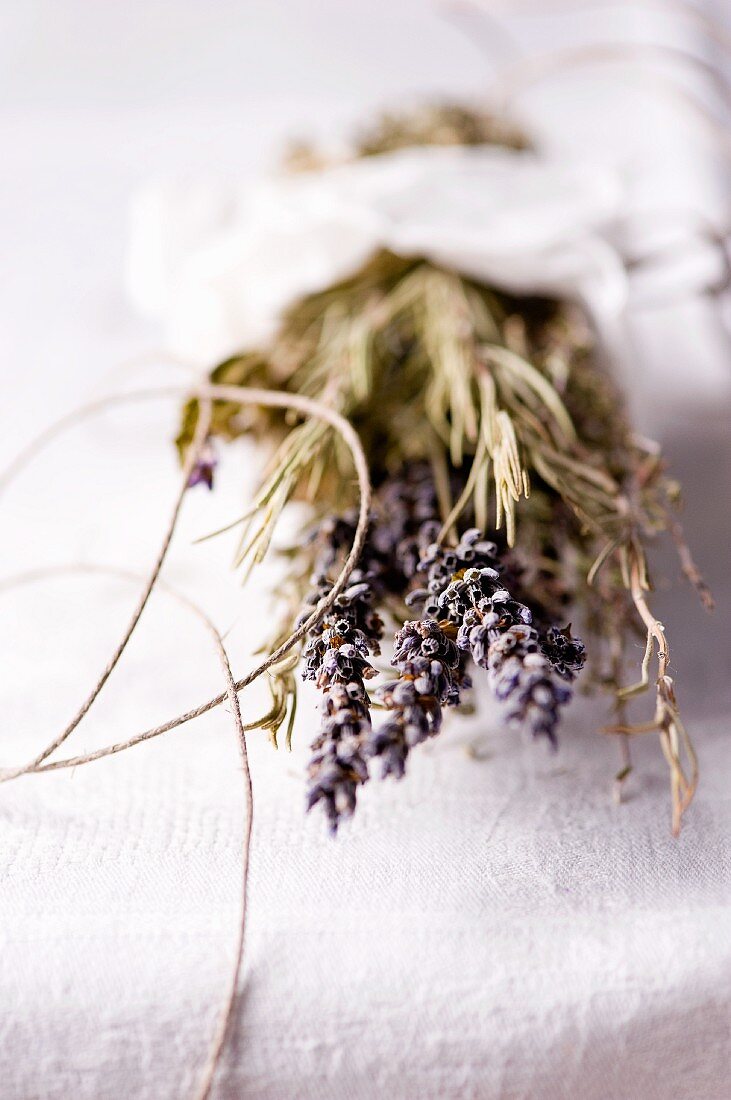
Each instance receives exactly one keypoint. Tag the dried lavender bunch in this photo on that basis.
(478, 617)
(432, 367)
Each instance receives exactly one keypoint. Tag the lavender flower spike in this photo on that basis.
(465, 592)
(525, 669)
(336, 658)
(431, 674)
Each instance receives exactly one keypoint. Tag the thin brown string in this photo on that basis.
(205, 397)
(76, 416)
(219, 1038)
(216, 1046)
(199, 438)
(208, 393)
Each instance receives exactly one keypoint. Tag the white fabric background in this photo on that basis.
(488, 928)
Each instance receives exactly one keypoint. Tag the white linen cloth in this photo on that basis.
(219, 266)
(487, 929)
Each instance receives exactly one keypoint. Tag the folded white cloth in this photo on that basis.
(219, 266)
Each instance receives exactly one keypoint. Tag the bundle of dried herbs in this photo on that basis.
(511, 494)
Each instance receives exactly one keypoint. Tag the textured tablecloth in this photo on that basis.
(491, 927)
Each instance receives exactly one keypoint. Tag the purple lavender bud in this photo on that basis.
(204, 469)
(565, 653)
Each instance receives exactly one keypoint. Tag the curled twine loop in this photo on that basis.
(205, 395)
(243, 396)
(36, 575)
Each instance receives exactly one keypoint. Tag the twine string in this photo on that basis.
(196, 447)
(216, 1045)
(205, 394)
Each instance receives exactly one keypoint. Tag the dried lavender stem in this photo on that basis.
(667, 719)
